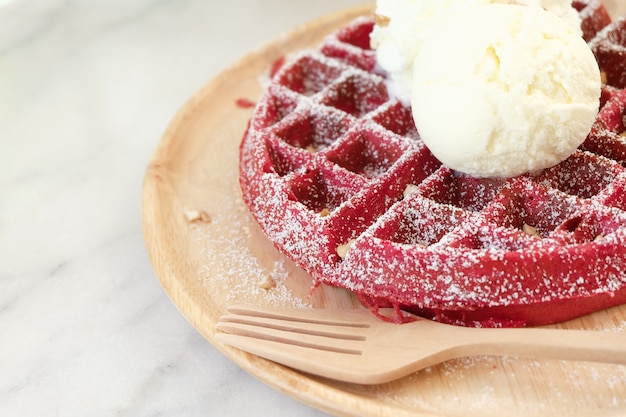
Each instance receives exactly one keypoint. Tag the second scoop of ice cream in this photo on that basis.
(501, 90)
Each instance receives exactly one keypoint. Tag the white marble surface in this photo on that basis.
(86, 90)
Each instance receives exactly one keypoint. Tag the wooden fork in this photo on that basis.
(355, 346)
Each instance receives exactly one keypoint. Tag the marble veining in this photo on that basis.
(86, 90)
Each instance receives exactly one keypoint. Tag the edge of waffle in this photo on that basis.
(333, 170)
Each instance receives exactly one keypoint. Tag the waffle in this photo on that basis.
(333, 170)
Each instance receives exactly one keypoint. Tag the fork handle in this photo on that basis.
(582, 345)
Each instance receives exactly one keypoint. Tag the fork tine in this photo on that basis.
(350, 318)
(312, 329)
(312, 361)
(311, 322)
(318, 341)
(312, 335)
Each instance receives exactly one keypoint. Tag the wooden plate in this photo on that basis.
(208, 253)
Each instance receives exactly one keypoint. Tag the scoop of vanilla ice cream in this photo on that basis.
(501, 90)
(403, 25)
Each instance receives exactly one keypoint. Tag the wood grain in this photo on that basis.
(207, 262)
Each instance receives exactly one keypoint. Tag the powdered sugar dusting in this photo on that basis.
(481, 385)
(229, 267)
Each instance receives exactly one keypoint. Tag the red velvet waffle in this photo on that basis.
(333, 170)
